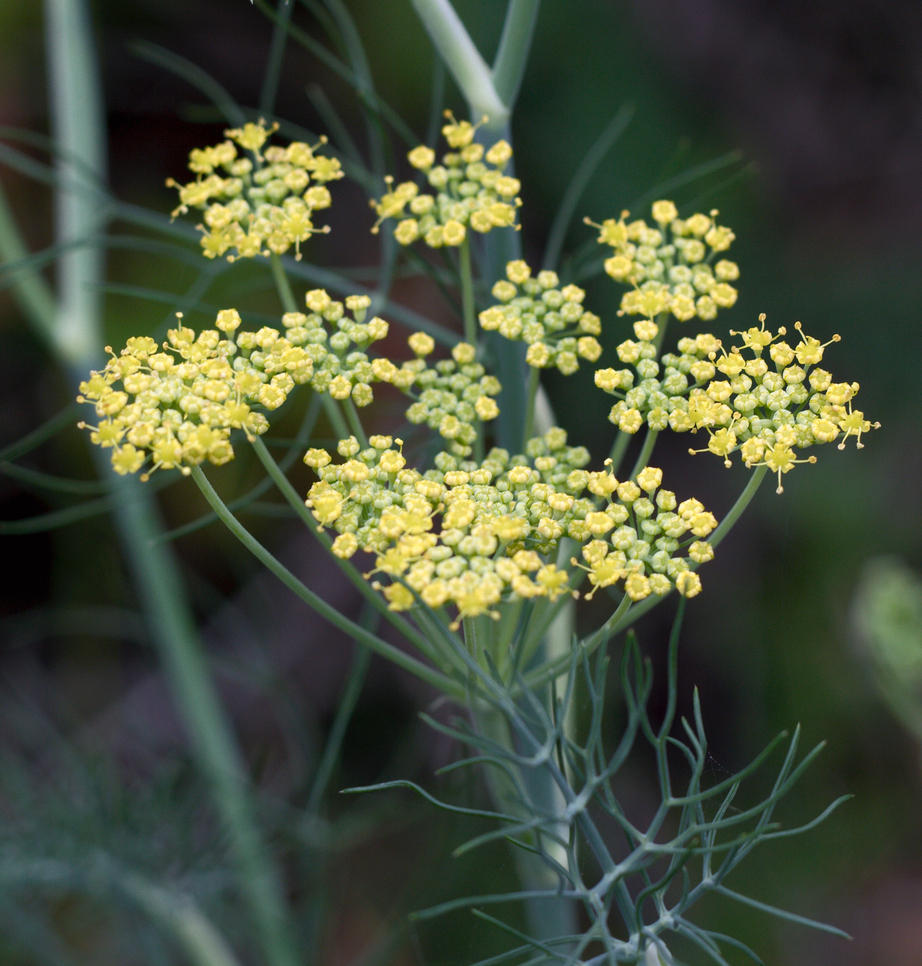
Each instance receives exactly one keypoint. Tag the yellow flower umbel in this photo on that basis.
(469, 191)
(259, 201)
(452, 395)
(653, 391)
(770, 409)
(549, 319)
(174, 405)
(469, 535)
(335, 335)
(673, 265)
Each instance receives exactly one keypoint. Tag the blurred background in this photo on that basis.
(803, 125)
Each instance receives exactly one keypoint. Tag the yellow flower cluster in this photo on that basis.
(469, 191)
(768, 409)
(469, 534)
(453, 394)
(336, 345)
(654, 392)
(670, 265)
(174, 405)
(551, 320)
(259, 202)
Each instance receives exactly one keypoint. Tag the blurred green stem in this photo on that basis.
(646, 451)
(467, 293)
(371, 596)
(76, 338)
(534, 383)
(514, 46)
(461, 57)
(78, 128)
(179, 915)
(317, 603)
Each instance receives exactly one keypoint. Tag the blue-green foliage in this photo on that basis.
(635, 889)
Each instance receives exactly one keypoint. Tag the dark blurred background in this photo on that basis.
(815, 110)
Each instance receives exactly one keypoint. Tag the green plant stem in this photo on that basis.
(79, 133)
(344, 708)
(742, 501)
(354, 420)
(534, 382)
(643, 456)
(317, 603)
(622, 441)
(463, 60)
(467, 293)
(273, 69)
(77, 121)
(371, 596)
(180, 916)
(209, 732)
(514, 46)
(29, 289)
(466, 276)
(556, 666)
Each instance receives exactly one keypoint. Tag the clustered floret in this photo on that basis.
(178, 406)
(174, 405)
(551, 320)
(468, 534)
(768, 409)
(337, 344)
(259, 204)
(469, 191)
(654, 391)
(670, 266)
(453, 394)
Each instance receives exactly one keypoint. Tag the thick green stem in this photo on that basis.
(317, 603)
(463, 60)
(77, 122)
(514, 46)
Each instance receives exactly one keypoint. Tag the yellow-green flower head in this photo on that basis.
(770, 400)
(653, 391)
(549, 319)
(174, 405)
(452, 395)
(468, 191)
(258, 201)
(674, 265)
(335, 335)
(468, 535)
